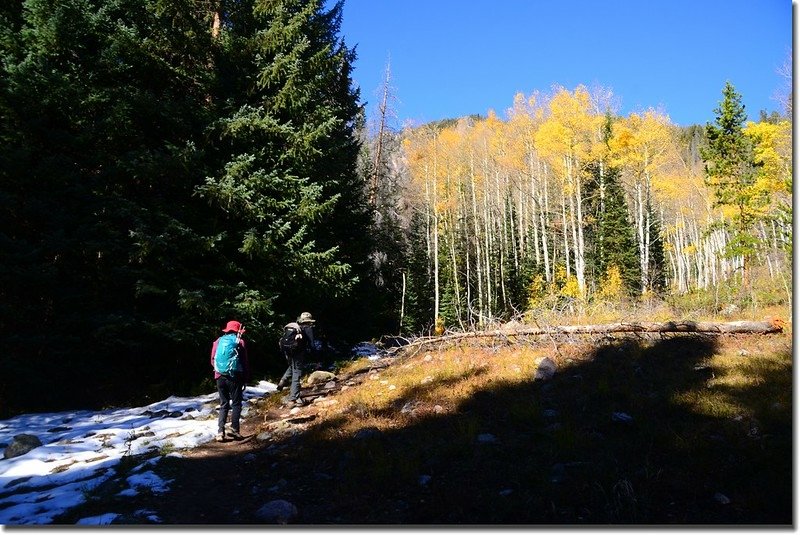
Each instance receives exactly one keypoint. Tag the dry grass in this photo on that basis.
(629, 431)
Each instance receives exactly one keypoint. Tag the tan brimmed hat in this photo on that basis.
(306, 317)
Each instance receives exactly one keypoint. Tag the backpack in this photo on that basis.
(292, 341)
(226, 359)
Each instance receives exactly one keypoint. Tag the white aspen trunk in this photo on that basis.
(502, 205)
(574, 223)
(580, 260)
(765, 239)
(523, 219)
(464, 232)
(728, 264)
(402, 302)
(672, 281)
(536, 209)
(639, 211)
(428, 217)
(487, 242)
(698, 256)
(565, 233)
(435, 264)
(601, 238)
(456, 287)
(647, 234)
(487, 258)
(478, 253)
(468, 286)
(544, 211)
(679, 273)
(679, 258)
(687, 258)
(711, 258)
(684, 260)
(775, 249)
(706, 250)
(676, 246)
(435, 236)
(514, 214)
(527, 209)
(770, 268)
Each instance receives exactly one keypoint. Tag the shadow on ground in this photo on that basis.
(635, 434)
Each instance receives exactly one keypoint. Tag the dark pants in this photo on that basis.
(294, 371)
(230, 397)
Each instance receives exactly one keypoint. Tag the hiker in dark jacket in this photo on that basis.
(231, 372)
(306, 324)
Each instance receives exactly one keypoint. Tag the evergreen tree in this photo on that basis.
(418, 306)
(517, 276)
(165, 168)
(289, 199)
(731, 173)
(99, 104)
(657, 267)
(609, 231)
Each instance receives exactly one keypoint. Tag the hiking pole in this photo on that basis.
(239, 335)
(238, 341)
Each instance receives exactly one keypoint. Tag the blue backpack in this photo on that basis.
(226, 359)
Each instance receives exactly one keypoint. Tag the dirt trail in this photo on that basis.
(224, 482)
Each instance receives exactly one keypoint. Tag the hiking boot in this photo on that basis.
(293, 402)
(234, 434)
(220, 437)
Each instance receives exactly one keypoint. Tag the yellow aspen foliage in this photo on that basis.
(642, 144)
(537, 291)
(438, 328)
(569, 130)
(450, 169)
(523, 123)
(612, 287)
(772, 149)
(571, 288)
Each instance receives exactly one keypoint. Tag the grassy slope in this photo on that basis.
(711, 423)
(464, 435)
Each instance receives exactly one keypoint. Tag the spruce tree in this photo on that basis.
(657, 268)
(418, 309)
(100, 102)
(166, 168)
(290, 206)
(610, 231)
(731, 174)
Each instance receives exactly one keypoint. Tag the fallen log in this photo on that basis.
(772, 326)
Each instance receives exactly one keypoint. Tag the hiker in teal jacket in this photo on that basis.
(231, 372)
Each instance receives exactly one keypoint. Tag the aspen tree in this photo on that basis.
(565, 140)
(641, 145)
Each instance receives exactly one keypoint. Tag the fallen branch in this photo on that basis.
(733, 327)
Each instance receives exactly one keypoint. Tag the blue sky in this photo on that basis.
(453, 58)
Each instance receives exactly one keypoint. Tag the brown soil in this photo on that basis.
(219, 483)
